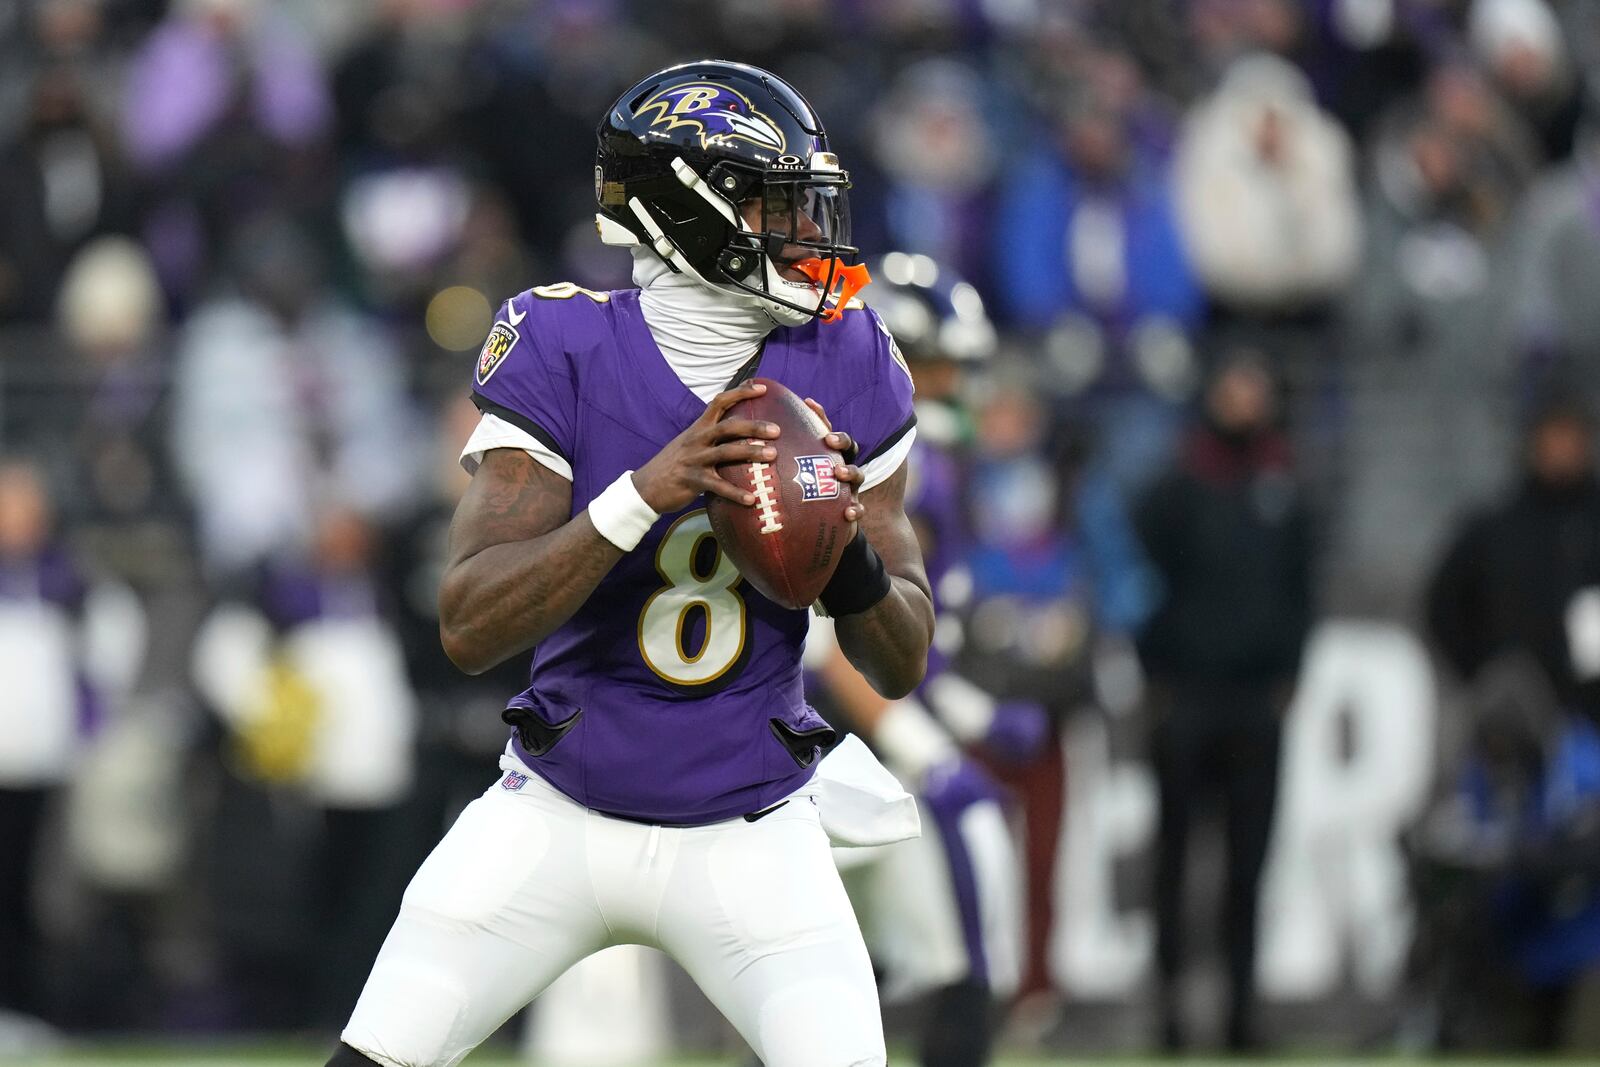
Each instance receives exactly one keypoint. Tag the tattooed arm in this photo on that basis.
(518, 568)
(888, 643)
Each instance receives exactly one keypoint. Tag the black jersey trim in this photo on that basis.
(889, 442)
(536, 736)
(521, 422)
(804, 745)
(747, 371)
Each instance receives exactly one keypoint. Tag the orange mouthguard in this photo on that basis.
(847, 280)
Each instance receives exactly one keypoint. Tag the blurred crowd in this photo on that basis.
(1283, 289)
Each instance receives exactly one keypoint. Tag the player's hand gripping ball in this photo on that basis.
(787, 543)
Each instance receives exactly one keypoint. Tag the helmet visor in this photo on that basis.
(804, 215)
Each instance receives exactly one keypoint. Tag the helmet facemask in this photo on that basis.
(797, 222)
(784, 232)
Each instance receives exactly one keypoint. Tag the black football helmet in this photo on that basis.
(932, 312)
(684, 158)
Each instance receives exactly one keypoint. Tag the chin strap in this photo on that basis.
(848, 280)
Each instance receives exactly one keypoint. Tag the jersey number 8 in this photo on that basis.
(693, 582)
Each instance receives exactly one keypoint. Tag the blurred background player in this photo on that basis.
(953, 943)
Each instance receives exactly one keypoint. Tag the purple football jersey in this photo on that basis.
(933, 500)
(934, 504)
(674, 694)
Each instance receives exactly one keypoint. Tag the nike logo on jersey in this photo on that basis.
(755, 816)
(512, 316)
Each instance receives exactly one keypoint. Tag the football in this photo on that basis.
(786, 545)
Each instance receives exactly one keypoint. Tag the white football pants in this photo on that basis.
(527, 883)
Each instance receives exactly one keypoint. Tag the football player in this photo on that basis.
(659, 784)
(955, 941)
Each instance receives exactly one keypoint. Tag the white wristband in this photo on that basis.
(911, 741)
(620, 514)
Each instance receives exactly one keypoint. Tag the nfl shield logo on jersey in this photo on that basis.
(513, 781)
(815, 478)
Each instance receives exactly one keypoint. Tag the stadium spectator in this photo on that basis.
(112, 418)
(1067, 54)
(307, 677)
(1519, 44)
(308, 388)
(226, 113)
(1524, 574)
(1427, 342)
(1505, 868)
(1362, 57)
(1266, 192)
(405, 97)
(1500, 150)
(1223, 31)
(62, 182)
(1088, 255)
(48, 704)
(1557, 267)
(1227, 535)
(211, 64)
(936, 155)
(1048, 568)
(1086, 227)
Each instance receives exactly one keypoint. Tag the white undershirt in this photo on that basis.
(705, 336)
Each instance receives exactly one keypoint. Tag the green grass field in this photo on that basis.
(176, 1059)
(277, 1056)
(245, 1058)
(190, 1056)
